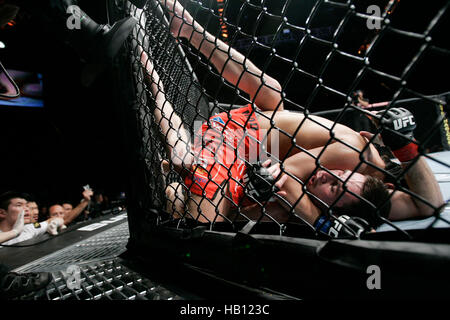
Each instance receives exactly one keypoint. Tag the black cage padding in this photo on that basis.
(316, 269)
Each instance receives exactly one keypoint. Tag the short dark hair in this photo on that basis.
(375, 206)
(394, 170)
(6, 197)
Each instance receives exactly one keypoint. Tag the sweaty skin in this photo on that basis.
(314, 132)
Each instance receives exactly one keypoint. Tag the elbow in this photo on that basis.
(425, 213)
(438, 205)
(434, 210)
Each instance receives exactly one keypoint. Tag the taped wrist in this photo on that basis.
(260, 183)
(339, 228)
(322, 224)
(407, 153)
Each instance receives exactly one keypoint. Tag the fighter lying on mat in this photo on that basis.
(350, 167)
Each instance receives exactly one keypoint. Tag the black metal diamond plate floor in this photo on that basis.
(106, 280)
(102, 274)
(105, 245)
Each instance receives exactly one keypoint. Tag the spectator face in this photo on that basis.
(99, 198)
(34, 211)
(27, 214)
(56, 211)
(67, 207)
(15, 207)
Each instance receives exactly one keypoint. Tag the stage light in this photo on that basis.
(223, 26)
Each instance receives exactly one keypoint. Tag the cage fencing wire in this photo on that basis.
(321, 53)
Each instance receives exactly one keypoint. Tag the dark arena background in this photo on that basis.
(180, 225)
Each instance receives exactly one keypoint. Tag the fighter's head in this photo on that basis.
(329, 186)
(340, 189)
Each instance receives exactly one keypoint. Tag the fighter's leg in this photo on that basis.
(177, 140)
(204, 210)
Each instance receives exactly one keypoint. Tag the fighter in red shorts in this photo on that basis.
(214, 167)
(226, 143)
(324, 163)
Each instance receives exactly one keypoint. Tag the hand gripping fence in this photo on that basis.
(197, 128)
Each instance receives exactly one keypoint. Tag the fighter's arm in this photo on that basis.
(295, 197)
(419, 177)
(422, 182)
(301, 166)
(264, 90)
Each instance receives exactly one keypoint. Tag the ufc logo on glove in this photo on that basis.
(403, 122)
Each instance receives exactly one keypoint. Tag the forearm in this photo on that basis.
(75, 212)
(8, 235)
(297, 199)
(421, 181)
(294, 187)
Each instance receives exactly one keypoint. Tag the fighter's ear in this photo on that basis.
(389, 185)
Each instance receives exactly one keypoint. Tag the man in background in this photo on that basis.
(66, 211)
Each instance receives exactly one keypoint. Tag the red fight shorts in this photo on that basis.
(222, 148)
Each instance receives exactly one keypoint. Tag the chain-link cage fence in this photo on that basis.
(250, 114)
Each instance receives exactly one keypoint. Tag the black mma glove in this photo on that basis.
(398, 126)
(260, 184)
(335, 227)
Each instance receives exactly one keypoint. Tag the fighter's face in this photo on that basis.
(329, 187)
